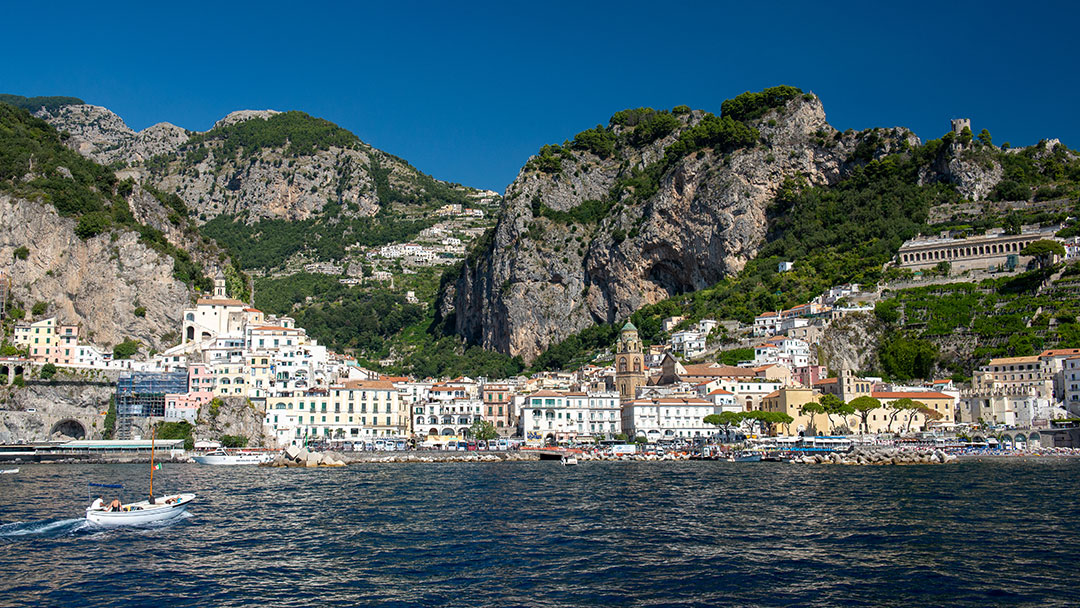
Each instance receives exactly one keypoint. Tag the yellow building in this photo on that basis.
(48, 342)
(229, 380)
(352, 411)
(790, 401)
(938, 402)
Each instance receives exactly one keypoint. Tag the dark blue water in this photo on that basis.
(539, 534)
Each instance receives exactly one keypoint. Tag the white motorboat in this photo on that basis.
(222, 457)
(142, 512)
(569, 461)
(9, 471)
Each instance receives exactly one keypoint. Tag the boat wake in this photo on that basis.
(49, 528)
(57, 528)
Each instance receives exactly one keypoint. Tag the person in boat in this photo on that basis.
(115, 505)
(97, 504)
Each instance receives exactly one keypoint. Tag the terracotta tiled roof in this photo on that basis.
(219, 302)
(1058, 352)
(717, 371)
(913, 395)
(371, 384)
(1010, 360)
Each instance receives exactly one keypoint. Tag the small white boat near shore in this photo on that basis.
(146, 511)
(9, 471)
(223, 457)
(142, 512)
(569, 461)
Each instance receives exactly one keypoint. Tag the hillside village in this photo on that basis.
(757, 370)
(231, 352)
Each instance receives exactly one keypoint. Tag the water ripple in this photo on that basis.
(538, 534)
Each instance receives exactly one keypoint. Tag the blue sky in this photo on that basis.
(467, 91)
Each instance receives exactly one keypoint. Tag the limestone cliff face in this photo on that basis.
(96, 283)
(972, 172)
(851, 343)
(236, 416)
(101, 135)
(40, 411)
(267, 182)
(542, 279)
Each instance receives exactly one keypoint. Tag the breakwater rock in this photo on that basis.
(293, 456)
(435, 456)
(879, 455)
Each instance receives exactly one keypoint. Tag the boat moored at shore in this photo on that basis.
(222, 456)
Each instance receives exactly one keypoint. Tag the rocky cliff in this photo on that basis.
(97, 283)
(588, 237)
(851, 342)
(255, 164)
(235, 416)
(71, 406)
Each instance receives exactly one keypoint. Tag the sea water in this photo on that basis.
(974, 533)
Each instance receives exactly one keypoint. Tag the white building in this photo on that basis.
(668, 418)
(766, 324)
(749, 392)
(792, 353)
(551, 416)
(690, 343)
(1071, 376)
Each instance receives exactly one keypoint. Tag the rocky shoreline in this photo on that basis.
(878, 456)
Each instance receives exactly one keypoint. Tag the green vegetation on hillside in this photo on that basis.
(344, 318)
(268, 243)
(751, 105)
(643, 126)
(297, 132)
(33, 104)
(1008, 316)
(92, 195)
(374, 324)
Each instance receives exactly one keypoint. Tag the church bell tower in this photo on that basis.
(219, 285)
(629, 363)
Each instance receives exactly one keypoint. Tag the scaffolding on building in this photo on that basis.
(142, 395)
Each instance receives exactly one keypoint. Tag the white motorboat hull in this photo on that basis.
(142, 512)
(9, 471)
(233, 459)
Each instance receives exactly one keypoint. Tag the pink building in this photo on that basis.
(200, 379)
(185, 406)
(810, 374)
